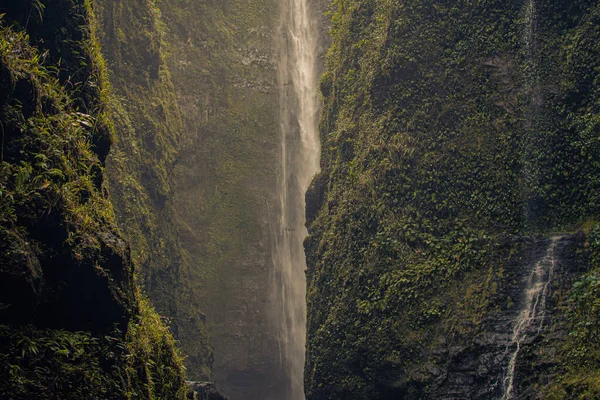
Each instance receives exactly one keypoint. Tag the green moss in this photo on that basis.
(147, 147)
(444, 135)
(73, 324)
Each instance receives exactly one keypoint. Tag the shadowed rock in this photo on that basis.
(204, 391)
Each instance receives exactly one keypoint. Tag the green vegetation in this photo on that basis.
(140, 168)
(64, 365)
(449, 131)
(56, 223)
(72, 324)
(58, 364)
(579, 357)
(455, 137)
(153, 364)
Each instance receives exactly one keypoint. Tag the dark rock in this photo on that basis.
(477, 371)
(204, 391)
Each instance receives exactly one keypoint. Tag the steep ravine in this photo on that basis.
(224, 61)
(163, 148)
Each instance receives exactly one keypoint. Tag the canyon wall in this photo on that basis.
(73, 322)
(148, 141)
(457, 140)
(223, 67)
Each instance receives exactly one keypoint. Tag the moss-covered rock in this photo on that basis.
(450, 132)
(148, 146)
(61, 249)
(222, 61)
(72, 324)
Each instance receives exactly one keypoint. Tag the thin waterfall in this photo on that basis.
(531, 316)
(530, 27)
(530, 319)
(299, 162)
(530, 172)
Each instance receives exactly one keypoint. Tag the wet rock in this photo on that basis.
(204, 391)
(478, 370)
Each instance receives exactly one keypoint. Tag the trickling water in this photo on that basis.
(530, 172)
(299, 158)
(530, 27)
(531, 317)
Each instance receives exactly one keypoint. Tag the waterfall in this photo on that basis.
(530, 27)
(299, 162)
(531, 316)
(530, 172)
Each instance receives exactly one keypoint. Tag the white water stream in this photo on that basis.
(299, 162)
(531, 317)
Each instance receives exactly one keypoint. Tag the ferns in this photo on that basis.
(58, 364)
(37, 8)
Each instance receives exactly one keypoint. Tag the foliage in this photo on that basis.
(449, 131)
(154, 365)
(54, 214)
(57, 364)
(140, 168)
(73, 326)
(579, 358)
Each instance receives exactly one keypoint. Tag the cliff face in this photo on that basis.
(57, 224)
(72, 323)
(223, 60)
(457, 139)
(149, 134)
(223, 69)
(193, 172)
(223, 66)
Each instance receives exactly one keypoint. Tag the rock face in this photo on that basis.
(223, 69)
(455, 139)
(72, 322)
(481, 369)
(149, 131)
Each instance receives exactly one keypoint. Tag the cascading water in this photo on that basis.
(531, 316)
(530, 320)
(299, 158)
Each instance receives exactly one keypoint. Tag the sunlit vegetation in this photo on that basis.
(72, 324)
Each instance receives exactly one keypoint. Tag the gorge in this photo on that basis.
(299, 199)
